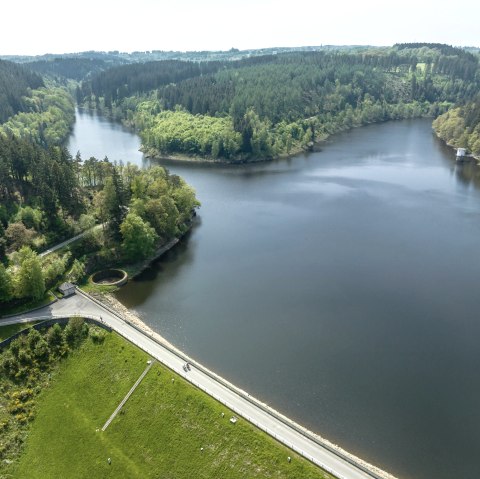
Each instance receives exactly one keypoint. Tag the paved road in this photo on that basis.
(244, 405)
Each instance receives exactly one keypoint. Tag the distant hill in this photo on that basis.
(115, 58)
(440, 47)
(74, 68)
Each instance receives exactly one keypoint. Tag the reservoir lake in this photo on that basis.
(341, 287)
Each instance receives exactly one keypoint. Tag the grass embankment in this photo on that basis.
(159, 433)
(11, 329)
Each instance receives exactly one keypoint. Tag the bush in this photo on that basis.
(97, 334)
(75, 331)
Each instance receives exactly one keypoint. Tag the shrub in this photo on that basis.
(75, 331)
(97, 334)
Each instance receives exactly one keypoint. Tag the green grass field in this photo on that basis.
(159, 434)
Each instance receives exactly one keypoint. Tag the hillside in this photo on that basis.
(271, 105)
(15, 83)
(460, 127)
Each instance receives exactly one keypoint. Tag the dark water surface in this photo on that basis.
(341, 287)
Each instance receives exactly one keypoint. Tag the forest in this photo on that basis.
(30, 109)
(460, 126)
(273, 105)
(48, 119)
(47, 196)
(15, 83)
(242, 107)
(73, 68)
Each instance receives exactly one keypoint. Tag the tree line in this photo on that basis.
(270, 105)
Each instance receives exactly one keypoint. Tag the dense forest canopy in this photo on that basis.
(441, 48)
(73, 68)
(30, 109)
(460, 126)
(15, 83)
(47, 120)
(120, 82)
(241, 106)
(38, 177)
(269, 105)
(47, 196)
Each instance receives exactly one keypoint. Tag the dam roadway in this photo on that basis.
(281, 428)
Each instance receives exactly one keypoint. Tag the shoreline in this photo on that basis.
(131, 317)
(469, 156)
(133, 270)
(186, 159)
(152, 154)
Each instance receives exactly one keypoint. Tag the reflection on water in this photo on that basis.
(342, 288)
(468, 173)
(94, 135)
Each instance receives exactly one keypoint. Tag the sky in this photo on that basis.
(33, 27)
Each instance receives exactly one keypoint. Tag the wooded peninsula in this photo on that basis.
(207, 106)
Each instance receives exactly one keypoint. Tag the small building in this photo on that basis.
(67, 289)
(461, 152)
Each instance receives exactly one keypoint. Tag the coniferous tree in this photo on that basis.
(115, 199)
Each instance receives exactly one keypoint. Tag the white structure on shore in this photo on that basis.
(461, 153)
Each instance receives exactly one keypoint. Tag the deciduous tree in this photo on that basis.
(29, 280)
(138, 237)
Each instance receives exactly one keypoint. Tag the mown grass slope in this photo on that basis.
(159, 434)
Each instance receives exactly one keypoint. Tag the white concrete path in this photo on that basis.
(127, 397)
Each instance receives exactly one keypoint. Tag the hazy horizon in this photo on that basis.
(37, 28)
(128, 52)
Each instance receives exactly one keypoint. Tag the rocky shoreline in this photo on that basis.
(130, 317)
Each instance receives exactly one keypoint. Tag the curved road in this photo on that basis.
(284, 430)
